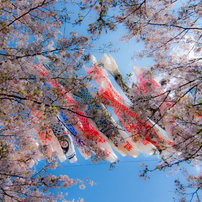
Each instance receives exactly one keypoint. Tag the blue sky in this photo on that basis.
(122, 183)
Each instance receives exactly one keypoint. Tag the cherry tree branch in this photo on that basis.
(176, 26)
(7, 96)
(31, 9)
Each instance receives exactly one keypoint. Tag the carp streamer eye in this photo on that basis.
(64, 143)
